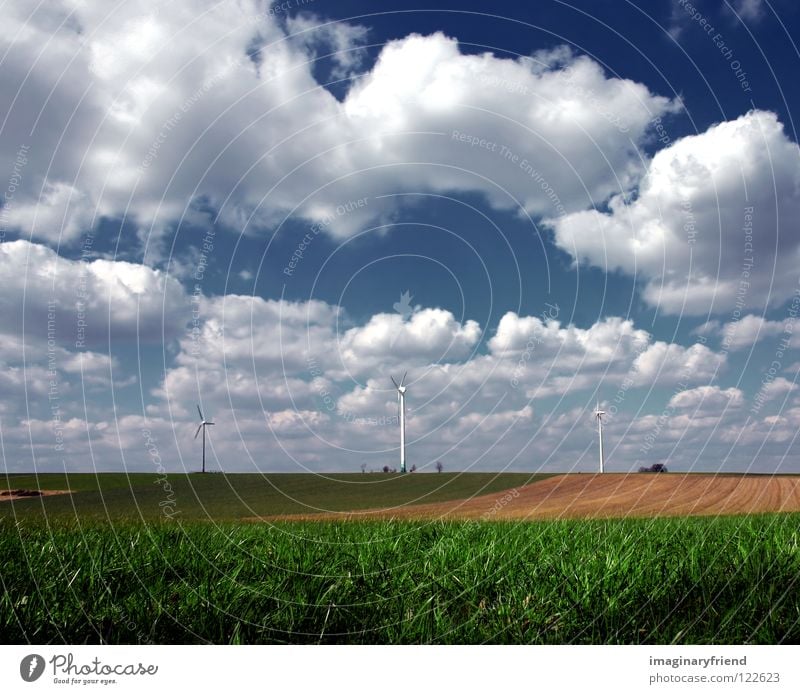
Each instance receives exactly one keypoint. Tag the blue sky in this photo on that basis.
(226, 203)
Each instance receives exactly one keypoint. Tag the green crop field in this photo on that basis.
(150, 497)
(688, 580)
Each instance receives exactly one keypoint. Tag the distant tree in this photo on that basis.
(439, 466)
(363, 468)
(413, 468)
(655, 467)
(386, 468)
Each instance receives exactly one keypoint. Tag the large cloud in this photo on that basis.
(713, 226)
(88, 302)
(708, 399)
(745, 333)
(59, 316)
(610, 346)
(159, 111)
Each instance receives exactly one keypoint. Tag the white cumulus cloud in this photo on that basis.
(713, 223)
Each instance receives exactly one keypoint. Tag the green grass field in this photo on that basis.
(694, 580)
(150, 497)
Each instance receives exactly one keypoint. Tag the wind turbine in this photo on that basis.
(599, 414)
(203, 425)
(401, 406)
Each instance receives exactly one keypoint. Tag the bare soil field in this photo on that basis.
(15, 494)
(635, 495)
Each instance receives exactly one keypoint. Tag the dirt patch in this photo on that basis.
(635, 495)
(17, 494)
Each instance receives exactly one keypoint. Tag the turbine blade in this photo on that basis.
(211, 424)
(198, 431)
(403, 382)
(393, 381)
(199, 412)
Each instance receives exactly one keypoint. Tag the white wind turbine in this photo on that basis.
(203, 425)
(599, 414)
(401, 406)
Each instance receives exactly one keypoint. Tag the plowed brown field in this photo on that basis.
(16, 494)
(606, 496)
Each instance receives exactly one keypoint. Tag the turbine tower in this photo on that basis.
(203, 425)
(599, 414)
(401, 406)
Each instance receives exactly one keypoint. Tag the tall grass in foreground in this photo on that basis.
(715, 580)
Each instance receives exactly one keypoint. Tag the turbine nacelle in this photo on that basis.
(203, 422)
(401, 387)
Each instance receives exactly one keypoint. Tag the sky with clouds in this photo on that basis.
(268, 209)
